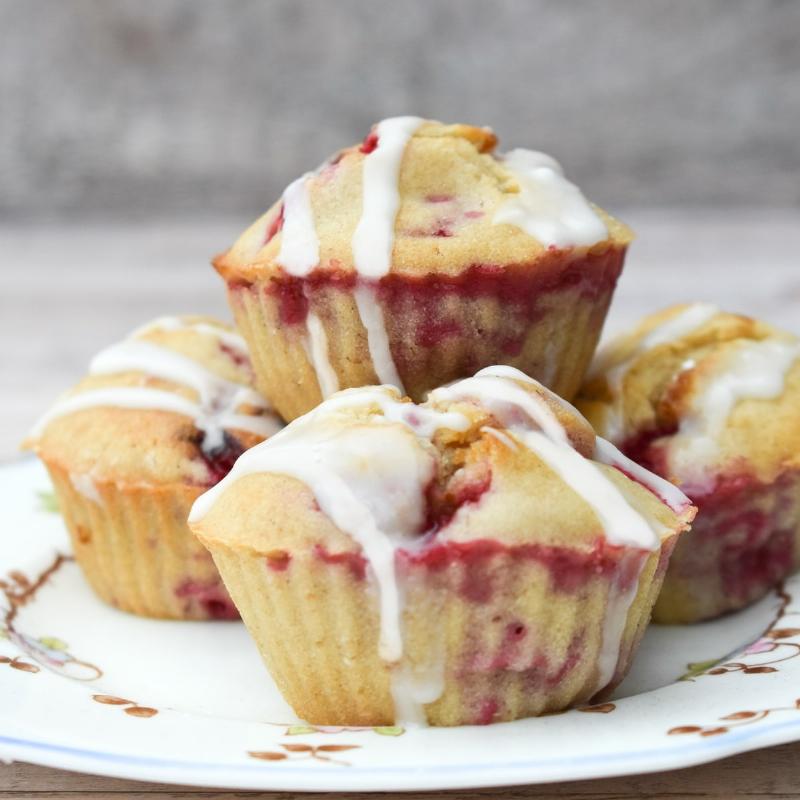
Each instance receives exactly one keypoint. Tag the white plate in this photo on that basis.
(88, 688)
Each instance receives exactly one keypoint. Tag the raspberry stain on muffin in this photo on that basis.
(220, 459)
(206, 600)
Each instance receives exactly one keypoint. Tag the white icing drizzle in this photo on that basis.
(414, 688)
(494, 388)
(619, 604)
(377, 336)
(216, 410)
(369, 480)
(85, 485)
(229, 338)
(501, 437)
(299, 252)
(756, 370)
(683, 323)
(373, 239)
(136, 355)
(371, 486)
(606, 453)
(316, 346)
(548, 206)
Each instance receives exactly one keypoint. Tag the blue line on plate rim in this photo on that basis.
(721, 743)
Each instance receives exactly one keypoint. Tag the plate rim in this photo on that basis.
(405, 779)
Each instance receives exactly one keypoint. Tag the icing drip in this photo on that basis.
(414, 688)
(299, 252)
(373, 239)
(607, 453)
(317, 350)
(685, 322)
(135, 355)
(370, 481)
(756, 370)
(670, 494)
(230, 339)
(619, 604)
(377, 336)
(501, 437)
(216, 410)
(85, 485)
(548, 207)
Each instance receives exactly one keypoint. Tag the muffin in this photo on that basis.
(711, 401)
(160, 417)
(416, 258)
(476, 558)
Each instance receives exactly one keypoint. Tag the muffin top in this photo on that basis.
(696, 393)
(418, 196)
(370, 470)
(171, 403)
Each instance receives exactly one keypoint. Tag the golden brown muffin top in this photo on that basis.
(701, 391)
(457, 204)
(495, 457)
(172, 403)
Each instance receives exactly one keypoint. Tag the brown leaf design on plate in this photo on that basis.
(267, 756)
(297, 748)
(602, 708)
(19, 578)
(782, 633)
(110, 700)
(24, 666)
(759, 670)
(713, 731)
(717, 671)
(141, 711)
(5, 660)
(684, 729)
(740, 715)
(337, 748)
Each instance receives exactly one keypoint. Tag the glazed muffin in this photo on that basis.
(416, 258)
(476, 558)
(711, 401)
(160, 417)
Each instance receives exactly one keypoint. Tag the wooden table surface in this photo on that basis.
(66, 291)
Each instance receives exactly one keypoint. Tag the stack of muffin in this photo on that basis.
(437, 535)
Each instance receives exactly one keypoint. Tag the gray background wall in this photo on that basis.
(177, 108)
